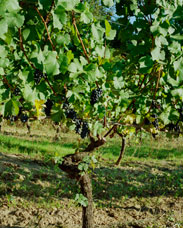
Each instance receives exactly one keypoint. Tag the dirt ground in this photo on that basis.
(135, 195)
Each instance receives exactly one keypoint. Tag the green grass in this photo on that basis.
(149, 148)
(14, 145)
(40, 145)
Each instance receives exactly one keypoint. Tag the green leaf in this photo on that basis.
(100, 50)
(9, 5)
(63, 39)
(16, 20)
(160, 41)
(51, 65)
(146, 64)
(15, 107)
(1, 70)
(174, 47)
(110, 34)
(157, 54)
(82, 200)
(178, 93)
(118, 83)
(107, 27)
(97, 128)
(26, 33)
(11, 107)
(3, 27)
(97, 32)
(57, 115)
(29, 94)
(7, 108)
(86, 17)
(3, 52)
(45, 4)
(178, 64)
(163, 30)
(70, 56)
(177, 37)
(59, 17)
(108, 3)
(68, 4)
(75, 66)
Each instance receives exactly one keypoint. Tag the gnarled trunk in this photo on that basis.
(86, 189)
(70, 166)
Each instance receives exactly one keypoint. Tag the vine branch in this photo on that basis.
(7, 83)
(156, 88)
(45, 24)
(22, 47)
(79, 36)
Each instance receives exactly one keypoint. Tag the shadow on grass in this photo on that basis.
(11, 227)
(31, 178)
(138, 179)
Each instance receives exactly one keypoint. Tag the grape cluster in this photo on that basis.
(78, 124)
(95, 95)
(155, 122)
(66, 105)
(11, 118)
(82, 127)
(16, 91)
(177, 129)
(38, 75)
(85, 130)
(47, 109)
(70, 113)
(24, 118)
(181, 113)
(146, 121)
(174, 127)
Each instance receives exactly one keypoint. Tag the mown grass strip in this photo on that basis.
(11, 144)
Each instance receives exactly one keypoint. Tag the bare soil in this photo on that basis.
(143, 194)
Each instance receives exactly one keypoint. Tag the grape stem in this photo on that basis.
(51, 87)
(45, 24)
(79, 36)
(22, 47)
(48, 15)
(156, 88)
(82, 44)
(7, 83)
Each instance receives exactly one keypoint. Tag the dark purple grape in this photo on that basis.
(95, 95)
(66, 105)
(11, 118)
(85, 130)
(78, 124)
(70, 113)
(146, 121)
(38, 75)
(47, 109)
(24, 118)
(16, 91)
(155, 122)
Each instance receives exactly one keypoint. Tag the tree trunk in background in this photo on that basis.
(122, 151)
